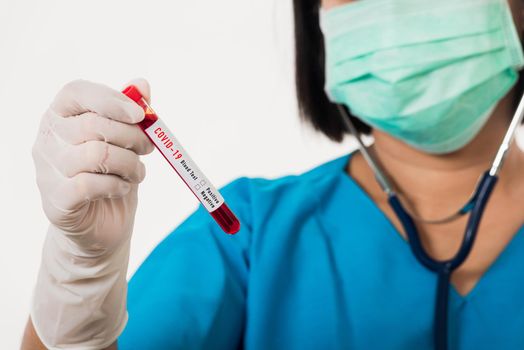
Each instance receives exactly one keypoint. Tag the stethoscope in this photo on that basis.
(475, 205)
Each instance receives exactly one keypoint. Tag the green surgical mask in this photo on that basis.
(429, 73)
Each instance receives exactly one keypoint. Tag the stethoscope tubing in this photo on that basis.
(475, 206)
(445, 268)
(480, 199)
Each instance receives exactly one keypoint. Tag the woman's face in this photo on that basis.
(327, 4)
(517, 8)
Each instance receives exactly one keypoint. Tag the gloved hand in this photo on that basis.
(88, 169)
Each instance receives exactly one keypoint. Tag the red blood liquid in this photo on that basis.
(226, 219)
(223, 216)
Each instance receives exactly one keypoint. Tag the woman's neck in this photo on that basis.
(438, 185)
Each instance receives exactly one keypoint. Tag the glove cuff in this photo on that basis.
(79, 301)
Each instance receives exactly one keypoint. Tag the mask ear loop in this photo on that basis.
(385, 183)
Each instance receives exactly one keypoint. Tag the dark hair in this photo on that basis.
(314, 105)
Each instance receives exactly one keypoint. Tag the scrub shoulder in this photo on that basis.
(191, 290)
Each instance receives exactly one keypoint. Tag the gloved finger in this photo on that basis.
(90, 126)
(101, 158)
(80, 96)
(142, 86)
(90, 156)
(87, 187)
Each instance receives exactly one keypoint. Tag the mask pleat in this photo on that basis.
(424, 71)
(396, 64)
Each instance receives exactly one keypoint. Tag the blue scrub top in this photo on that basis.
(316, 265)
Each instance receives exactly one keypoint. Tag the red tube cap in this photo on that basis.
(133, 93)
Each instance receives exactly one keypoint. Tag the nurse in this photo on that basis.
(321, 261)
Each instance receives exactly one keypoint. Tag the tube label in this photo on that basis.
(177, 156)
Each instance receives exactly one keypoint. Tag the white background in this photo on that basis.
(226, 64)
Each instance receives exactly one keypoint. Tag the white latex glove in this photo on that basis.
(87, 164)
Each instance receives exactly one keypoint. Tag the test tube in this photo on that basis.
(184, 166)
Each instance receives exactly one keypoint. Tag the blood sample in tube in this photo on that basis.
(184, 166)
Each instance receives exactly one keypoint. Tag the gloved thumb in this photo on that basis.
(143, 87)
